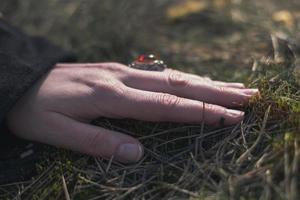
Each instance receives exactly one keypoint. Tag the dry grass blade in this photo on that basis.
(244, 156)
(65, 188)
(251, 160)
(295, 179)
(181, 190)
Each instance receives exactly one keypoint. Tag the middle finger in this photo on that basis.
(179, 84)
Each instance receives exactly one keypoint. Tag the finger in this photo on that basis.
(176, 83)
(219, 83)
(216, 83)
(229, 84)
(153, 106)
(93, 140)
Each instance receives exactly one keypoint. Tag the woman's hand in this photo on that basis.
(58, 109)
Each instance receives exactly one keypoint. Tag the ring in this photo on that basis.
(148, 62)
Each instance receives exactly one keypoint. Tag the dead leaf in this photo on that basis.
(285, 17)
(186, 8)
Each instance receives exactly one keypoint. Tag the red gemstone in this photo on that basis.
(141, 58)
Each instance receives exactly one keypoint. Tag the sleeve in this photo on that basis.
(23, 60)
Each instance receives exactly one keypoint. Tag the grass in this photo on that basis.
(257, 159)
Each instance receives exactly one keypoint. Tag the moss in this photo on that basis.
(247, 161)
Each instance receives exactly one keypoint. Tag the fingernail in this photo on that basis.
(129, 152)
(235, 113)
(250, 91)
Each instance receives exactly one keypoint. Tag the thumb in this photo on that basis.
(85, 138)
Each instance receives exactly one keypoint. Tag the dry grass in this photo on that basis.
(257, 159)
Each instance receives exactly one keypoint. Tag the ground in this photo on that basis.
(255, 42)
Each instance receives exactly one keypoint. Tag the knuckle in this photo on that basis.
(168, 100)
(116, 90)
(220, 89)
(119, 90)
(177, 79)
(108, 87)
(215, 109)
(209, 108)
(114, 67)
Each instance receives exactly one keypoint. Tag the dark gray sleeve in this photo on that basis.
(23, 60)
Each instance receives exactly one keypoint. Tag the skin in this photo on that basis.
(58, 109)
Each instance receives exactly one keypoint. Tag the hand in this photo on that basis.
(58, 108)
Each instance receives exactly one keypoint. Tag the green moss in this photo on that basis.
(212, 172)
